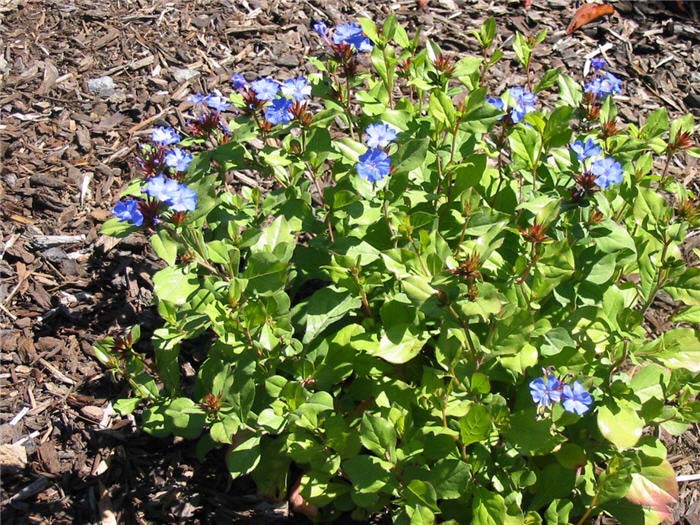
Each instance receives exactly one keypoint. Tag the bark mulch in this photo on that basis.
(81, 83)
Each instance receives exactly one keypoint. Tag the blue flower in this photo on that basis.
(545, 392)
(184, 199)
(128, 211)
(607, 171)
(238, 81)
(165, 136)
(279, 112)
(604, 85)
(320, 28)
(196, 98)
(161, 188)
(296, 88)
(586, 150)
(265, 88)
(217, 103)
(178, 159)
(497, 102)
(379, 135)
(373, 165)
(598, 63)
(523, 103)
(178, 196)
(576, 399)
(352, 35)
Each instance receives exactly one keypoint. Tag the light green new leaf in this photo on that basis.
(173, 285)
(620, 425)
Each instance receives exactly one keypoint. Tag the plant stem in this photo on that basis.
(348, 109)
(588, 512)
(669, 156)
(389, 79)
(659, 280)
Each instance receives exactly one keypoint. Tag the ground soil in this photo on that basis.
(67, 151)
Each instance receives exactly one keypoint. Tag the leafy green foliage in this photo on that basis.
(383, 335)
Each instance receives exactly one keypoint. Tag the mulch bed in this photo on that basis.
(67, 138)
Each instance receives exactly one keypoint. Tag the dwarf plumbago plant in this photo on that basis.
(436, 306)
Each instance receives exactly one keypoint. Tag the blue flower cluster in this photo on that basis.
(521, 103)
(281, 96)
(375, 164)
(547, 391)
(350, 34)
(178, 196)
(607, 171)
(604, 83)
(127, 210)
(177, 159)
(585, 150)
(165, 136)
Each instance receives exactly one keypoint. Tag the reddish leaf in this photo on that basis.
(587, 13)
(655, 488)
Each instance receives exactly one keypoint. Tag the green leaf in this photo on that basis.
(526, 144)
(126, 406)
(184, 418)
(548, 79)
(615, 481)
(522, 49)
(369, 28)
(530, 435)
(276, 239)
(244, 458)
(421, 493)
(689, 315)
(649, 383)
(378, 435)
(657, 124)
(441, 108)
(620, 425)
(475, 426)
(686, 287)
(369, 474)
(164, 246)
(679, 349)
(410, 155)
(570, 92)
(116, 228)
(450, 477)
(224, 430)
(557, 131)
(488, 508)
(400, 343)
(173, 285)
(325, 307)
(558, 512)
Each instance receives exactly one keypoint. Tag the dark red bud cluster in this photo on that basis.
(151, 160)
(211, 403)
(300, 113)
(609, 129)
(444, 64)
(468, 269)
(536, 234)
(205, 124)
(682, 142)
